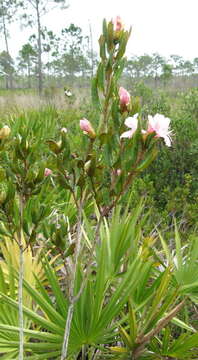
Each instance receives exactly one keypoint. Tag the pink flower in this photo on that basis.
(160, 125)
(86, 126)
(118, 24)
(124, 97)
(47, 172)
(132, 123)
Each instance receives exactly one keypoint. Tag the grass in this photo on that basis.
(15, 101)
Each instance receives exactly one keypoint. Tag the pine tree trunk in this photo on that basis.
(8, 76)
(40, 77)
(5, 34)
(29, 79)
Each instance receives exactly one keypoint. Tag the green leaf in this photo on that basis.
(132, 323)
(182, 324)
(150, 157)
(126, 338)
(166, 250)
(101, 77)
(102, 47)
(119, 67)
(182, 346)
(46, 324)
(54, 338)
(57, 291)
(94, 93)
(110, 37)
(178, 247)
(166, 340)
(118, 349)
(104, 28)
(123, 43)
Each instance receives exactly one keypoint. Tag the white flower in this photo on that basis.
(132, 123)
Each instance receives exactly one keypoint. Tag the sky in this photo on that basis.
(163, 26)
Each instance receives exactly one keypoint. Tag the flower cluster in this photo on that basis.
(157, 123)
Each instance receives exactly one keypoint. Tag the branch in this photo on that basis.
(72, 286)
(20, 284)
(160, 325)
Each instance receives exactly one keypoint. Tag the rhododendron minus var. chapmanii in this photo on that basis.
(124, 97)
(132, 123)
(47, 172)
(118, 24)
(160, 125)
(86, 126)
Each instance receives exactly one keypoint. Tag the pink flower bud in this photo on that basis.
(47, 172)
(86, 126)
(118, 24)
(124, 97)
(118, 172)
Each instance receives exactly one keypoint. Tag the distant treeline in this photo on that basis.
(49, 59)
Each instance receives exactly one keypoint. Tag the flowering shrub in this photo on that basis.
(110, 291)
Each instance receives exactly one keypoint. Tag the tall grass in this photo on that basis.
(12, 102)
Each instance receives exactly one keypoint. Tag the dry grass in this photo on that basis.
(13, 101)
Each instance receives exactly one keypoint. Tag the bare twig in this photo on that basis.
(74, 298)
(72, 285)
(20, 283)
(67, 331)
(160, 325)
(89, 263)
(20, 300)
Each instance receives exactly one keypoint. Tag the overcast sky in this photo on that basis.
(163, 26)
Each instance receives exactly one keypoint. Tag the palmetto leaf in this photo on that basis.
(185, 347)
(187, 273)
(99, 305)
(102, 308)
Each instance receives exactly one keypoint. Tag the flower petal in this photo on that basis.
(127, 134)
(167, 140)
(160, 125)
(132, 122)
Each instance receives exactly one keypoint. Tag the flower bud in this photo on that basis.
(64, 130)
(124, 97)
(86, 126)
(118, 24)
(47, 172)
(4, 132)
(118, 172)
